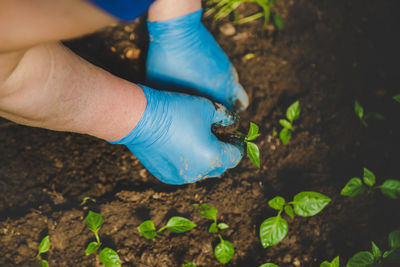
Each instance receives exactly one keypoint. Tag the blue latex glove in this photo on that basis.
(173, 139)
(183, 55)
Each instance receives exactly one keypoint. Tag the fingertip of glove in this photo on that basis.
(241, 101)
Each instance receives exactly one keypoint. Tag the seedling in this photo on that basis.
(86, 199)
(175, 224)
(224, 251)
(376, 258)
(397, 98)
(273, 230)
(292, 114)
(355, 187)
(334, 263)
(189, 264)
(43, 248)
(222, 8)
(359, 110)
(107, 256)
(269, 265)
(251, 148)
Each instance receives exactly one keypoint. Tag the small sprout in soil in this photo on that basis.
(376, 257)
(189, 264)
(292, 114)
(44, 246)
(251, 148)
(175, 224)
(397, 98)
(269, 265)
(222, 8)
(305, 204)
(359, 110)
(333, 263)
(107, 256)
(355, 186)
(86, 199)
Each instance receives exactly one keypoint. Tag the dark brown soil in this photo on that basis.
(329, 54)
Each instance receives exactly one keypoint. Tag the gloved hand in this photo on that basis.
(173, 139)
(183, 55)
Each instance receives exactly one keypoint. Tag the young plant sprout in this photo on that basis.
(359, 110)
(189, 264)
(355, 186)
(86, 199)
(222, 8)
(175, 224)
(269, 265)
(305, 204)
(224, 251)
(376, 257)
(334, 263)
(107, 256)
(292, 114)
(251, 148)
(43, 248)
(397, 98)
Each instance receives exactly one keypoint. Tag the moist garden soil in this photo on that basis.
(328, 54)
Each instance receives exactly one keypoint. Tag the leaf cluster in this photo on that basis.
(251, 148)
(364, 116)
(305, 204)
(292, 114)
(355, 186)
(44, 246)
(175, 224)
(397, 98)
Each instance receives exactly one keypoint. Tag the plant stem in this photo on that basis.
(220, 238)
(97, 237)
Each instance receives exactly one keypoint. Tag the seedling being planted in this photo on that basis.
(292, 114)
(224, 251)
(273, 230)
(359, 110)
(334, 263)
(251, 148)
(376, 258)
(43, 248)
(107, 256)
(175, 225)
(355, 186)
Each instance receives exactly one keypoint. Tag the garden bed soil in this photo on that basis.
(329, 54)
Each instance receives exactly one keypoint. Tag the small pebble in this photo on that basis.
(227, 29)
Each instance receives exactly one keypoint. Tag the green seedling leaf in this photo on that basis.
(309, 203)
(109, 258)
(224, 251)
(94, 221)
(394, 239)
(391, 188)
(44, 245)
(361, 259)
(392, 257)
(44, 263)
(92, 247)
(293, 111)
(277, 203)
(189, 264)
(86, 199)
(289, 211)
(206, 211)
(253, 132)
(369, 177)
(286, 124)
(285, 135)
(254, 153)
(354, 187)
(376, 251)
(213, 228)
(358, 109)
(223, 226)
(147, 229)
(269, 265)
(397, 98)
(179, 224)
(334, 263)
(278, 21)
(272, 231)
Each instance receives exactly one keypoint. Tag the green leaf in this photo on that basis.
(354, 187)
(92, 247)
(272, 231)
(147, 229)
(309, 203)
(285, 134)
(206, 211)
(293, 111)
(278, 21)
(179, 224)
(94, 221)
(223, 226)
(213, 228)
(269, 265)
(286, 124)
(277, 203)
(44, 263)
(289, 211)
(376, 251)
(326, 264)
(358, 109)
(361, 259)
(253, 153)
(335, 262)
(391, 188)
(369, 177)
(397, 98)
(189, 264)
(394, 239)
(224, 251)
(85, 199)
(109, 258)
(391, 257)
(44, 245)
(253, 132)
